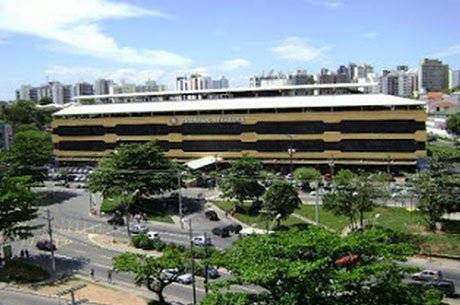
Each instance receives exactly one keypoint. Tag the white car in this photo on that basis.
(427, 275)
(201, 241)
(137, 229)
(253, 231)
(152, 235)
(185, 278)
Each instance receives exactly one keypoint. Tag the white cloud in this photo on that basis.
(296, 49)
(332, 4)
(75, 74)
(74, 24)
(370, 35)
(450, 51)
(234, 64)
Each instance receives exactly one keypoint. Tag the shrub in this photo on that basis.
(21, 272)
(143, 242)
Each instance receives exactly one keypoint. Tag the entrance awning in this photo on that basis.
(202, 162)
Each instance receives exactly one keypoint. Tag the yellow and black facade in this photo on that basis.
(302, 132)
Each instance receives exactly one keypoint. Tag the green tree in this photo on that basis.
(241, 181)
(281, 199)
(306, 175)
(315, 266)
(25, 112)
(355, 194)
(46, 100)
(148, 270)
(29, 154)
(131, 175)
(437, 194)
(16, 207)
(453, 123)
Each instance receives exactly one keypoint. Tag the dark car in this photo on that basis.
(235, 228)
(221, 231)
(45, 245)
(447, 287)
(116, 220)
(212, 272)
(211, 215)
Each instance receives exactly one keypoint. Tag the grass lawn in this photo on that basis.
(258, 221)
(161, 218)
(398, 219)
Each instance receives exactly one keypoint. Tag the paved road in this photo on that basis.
(72, 222)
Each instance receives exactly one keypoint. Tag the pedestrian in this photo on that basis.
(27, 253)
(91, 273)
(22, 253)
(109, 276)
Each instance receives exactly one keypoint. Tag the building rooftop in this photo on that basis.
(166, 94)
(278, 102)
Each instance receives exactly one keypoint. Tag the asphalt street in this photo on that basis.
(72, 223)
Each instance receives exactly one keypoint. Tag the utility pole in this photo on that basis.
(50, 232)
(317, 203)
(192, 262)
(179, 185)
(206, 276)
(90, 202)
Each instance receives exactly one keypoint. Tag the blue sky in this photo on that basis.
(72, 40)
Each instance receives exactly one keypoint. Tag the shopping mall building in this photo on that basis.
(277, 126)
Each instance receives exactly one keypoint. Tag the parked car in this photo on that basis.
(137, 229)
(169, 274)
(427, 275)
(62, 183)
(186, 278)
(116, 220)
(447, 287)
(46, 245)
(221, 231)
(152, 235)
(201, 241)
(211, 215)
(235, 228)
(212, 272)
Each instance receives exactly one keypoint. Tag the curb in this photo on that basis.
(439, 255)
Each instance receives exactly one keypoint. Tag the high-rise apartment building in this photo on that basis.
(23, 93)
(102, 86)
(433, 75)
(402, 82)
(82, 88)
(67, 91)
(221, 83)
(454, 78)
(150, 86)
(200, 82)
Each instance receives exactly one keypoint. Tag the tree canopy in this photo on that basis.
(315, 266)
(306, 175)
(25, 112)
(16, 207)
(29, 154)
(134, 168)
(453, 123)
(241, 181)
(355, 194)
(281, 198)
(437, 190)
(46, 100)
(148, 270)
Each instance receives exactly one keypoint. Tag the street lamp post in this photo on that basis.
(317, 203)
(179, 185)
(192, 262)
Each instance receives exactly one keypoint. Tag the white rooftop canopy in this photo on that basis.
(202, 162)
(278, 102)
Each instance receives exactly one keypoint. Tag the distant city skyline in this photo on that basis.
(137, 40)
